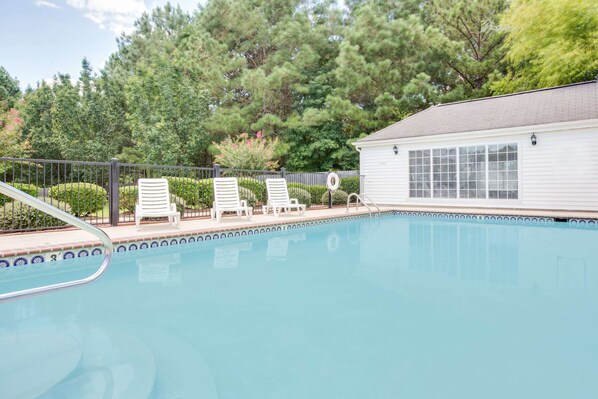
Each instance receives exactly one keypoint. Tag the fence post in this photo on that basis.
(283, 173)
(113, 199)
(216, 170)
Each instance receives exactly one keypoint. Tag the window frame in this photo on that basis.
(486, 171)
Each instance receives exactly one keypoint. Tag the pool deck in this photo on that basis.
(57, 240)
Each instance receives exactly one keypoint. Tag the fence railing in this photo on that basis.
(105, 193)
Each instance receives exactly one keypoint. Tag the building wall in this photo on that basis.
(560, 172)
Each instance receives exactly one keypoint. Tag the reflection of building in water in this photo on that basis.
(528, 257)
(227, 256)
(571, 273)
(159, 268)
(466, 251)
(278, 247)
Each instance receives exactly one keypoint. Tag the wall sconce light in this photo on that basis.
(534, 139)
(395, 149)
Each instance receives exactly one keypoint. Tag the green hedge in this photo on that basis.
(339, 197)
(315, 190)
(83, 198)
(256, 186)
(303, 196)
(30, 189)
(350, 184)
(20, 216)
(247, 195)
(194, 192)
(127, 198)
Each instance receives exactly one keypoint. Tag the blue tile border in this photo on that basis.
(24, 260)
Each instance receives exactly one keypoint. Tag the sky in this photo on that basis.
(39, 38)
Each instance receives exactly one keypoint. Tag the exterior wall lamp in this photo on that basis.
(395, 149)
(534, 139)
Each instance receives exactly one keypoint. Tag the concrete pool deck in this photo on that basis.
(16, 244)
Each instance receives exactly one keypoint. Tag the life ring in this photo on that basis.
(333, 181)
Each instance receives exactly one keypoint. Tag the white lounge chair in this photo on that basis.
(154, 201)
(226, 199)
(278, 198)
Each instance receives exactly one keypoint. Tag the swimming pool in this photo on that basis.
(389, 307)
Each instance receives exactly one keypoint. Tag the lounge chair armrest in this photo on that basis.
(244, 203)
(294, 201)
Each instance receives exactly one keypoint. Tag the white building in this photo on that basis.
(536, 149)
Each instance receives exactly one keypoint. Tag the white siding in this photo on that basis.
(560, 172)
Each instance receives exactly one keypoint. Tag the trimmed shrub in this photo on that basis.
(339, 197)
(83, 198)
(248, 195)
(303, 196)
(350, 184)
(315, 190)
(191, 190)
(20, 216)
(258, 187)
(30, 189)
(127, 198)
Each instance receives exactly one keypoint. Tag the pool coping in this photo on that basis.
(44, 253)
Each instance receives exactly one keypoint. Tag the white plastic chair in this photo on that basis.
(226, 199)
(154, 201)
(278, 198)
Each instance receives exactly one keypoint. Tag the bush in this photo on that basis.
(127, 198)
(350, 185)
(83, 198)
(339, 197)
(30, 189)
(20, 216)
(248, 195)
(315, 190)
(258, 187)
(303, 196)
(194, 192)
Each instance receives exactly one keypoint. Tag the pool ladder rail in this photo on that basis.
(65, 217)
(363, 198)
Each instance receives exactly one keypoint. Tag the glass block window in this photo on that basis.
(444, 164)
(419, 174)
(502, 171)
(472, 172)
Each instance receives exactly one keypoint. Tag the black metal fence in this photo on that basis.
(106, 192)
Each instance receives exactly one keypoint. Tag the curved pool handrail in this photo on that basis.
(361, 197)
(65, 217)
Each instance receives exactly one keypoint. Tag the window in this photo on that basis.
(419, 174)
(445, 173)
(472, 172)
(502, 171)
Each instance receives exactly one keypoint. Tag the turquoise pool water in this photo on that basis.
(394, 307)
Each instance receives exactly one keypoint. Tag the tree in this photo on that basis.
(11, 142)
(167, 114)
(9, 90)
(549, 43)
(382, 53)
(470, 42)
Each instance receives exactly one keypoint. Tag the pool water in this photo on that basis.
(389, 307)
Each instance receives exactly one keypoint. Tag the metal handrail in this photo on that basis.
(361, 197)
(68, 218)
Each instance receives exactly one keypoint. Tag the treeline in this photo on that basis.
(308, 72)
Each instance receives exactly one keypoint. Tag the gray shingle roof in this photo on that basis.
(556, 104)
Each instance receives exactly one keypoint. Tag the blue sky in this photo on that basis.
(39, 38)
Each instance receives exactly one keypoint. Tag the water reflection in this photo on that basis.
(161, 268)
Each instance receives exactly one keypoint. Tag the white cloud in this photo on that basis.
(45, 3)
(116, 15)
(119, 15)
